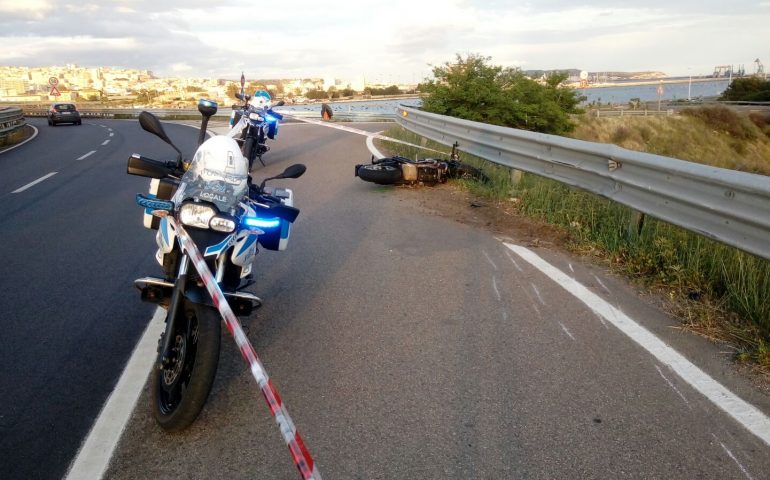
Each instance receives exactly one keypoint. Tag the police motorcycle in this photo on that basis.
(226, 216)
(253, 123)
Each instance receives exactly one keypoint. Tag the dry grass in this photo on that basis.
(700, 137)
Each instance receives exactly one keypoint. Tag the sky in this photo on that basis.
(385, 41)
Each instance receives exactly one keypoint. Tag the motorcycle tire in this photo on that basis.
(379, 174)
(248, 146)
(178, 392)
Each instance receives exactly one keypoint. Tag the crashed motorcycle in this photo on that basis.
(399, 170)
(253, 123)
(213, 199)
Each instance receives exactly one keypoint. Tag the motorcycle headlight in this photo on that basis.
(196, 215)
(222, 224)
(255, 116)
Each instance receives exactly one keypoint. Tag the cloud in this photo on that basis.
(28, 9)
(386, 39)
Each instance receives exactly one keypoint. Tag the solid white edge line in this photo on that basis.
(95, 453)
(86, 155)
(372, 148)
(25, 141)
(743, 412)
(106, 142)
(33, 183)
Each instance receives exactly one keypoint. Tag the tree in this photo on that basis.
(473, 89)
(747, 89)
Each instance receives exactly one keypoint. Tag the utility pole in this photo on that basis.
(689, 86)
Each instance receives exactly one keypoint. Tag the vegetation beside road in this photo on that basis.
(718, 290)
(748, 89)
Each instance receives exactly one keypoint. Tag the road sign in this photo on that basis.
(660, 89)
(54, 91)
(53, 81)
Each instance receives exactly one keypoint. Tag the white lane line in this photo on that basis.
(497, 291)
(97, 449)
(743, 412)
(372, 148)
(103, 126)
(565, 330)
(86, 155)
(537, 292)
(25, 141)
(602, 284)
(730, 454)
(106, 142)
(514, 261)
(489, 259)
(109, 129)
(672, 385)
(32, 184)
(112, 133)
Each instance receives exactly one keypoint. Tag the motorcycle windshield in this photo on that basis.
(219, 179)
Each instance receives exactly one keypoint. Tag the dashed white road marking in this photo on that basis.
(489, 259)
(743, 412)
(106, 142)
(672, 385)
(95, 452)
(86, 155)
(112, 133)
(109, 129)
(32, 184)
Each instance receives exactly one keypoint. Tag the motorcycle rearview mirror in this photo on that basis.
(150, 123)
(207, 109)
(293, 171)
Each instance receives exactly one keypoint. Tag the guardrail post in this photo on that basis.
(516, 176)
(635, 224)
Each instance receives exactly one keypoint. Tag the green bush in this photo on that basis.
(472, 89)
(751, 89)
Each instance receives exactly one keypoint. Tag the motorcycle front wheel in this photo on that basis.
(179, 391)
(379, 174)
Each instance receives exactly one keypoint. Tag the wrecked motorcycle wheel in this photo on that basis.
(179, 391)
(379, 174)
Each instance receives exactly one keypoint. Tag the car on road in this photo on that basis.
(63, 113)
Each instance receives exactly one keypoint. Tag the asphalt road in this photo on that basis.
(404, 344)
(72, 246)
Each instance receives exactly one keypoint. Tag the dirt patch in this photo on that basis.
(451, 201)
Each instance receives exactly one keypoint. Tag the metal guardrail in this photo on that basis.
(10, 120)
(725, 205)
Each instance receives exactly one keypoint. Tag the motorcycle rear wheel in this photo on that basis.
(179, 391)
(379, 174)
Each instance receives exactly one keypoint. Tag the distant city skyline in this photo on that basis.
(392, 42)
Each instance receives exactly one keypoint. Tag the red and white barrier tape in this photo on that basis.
(359, 132)
(299, 452)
